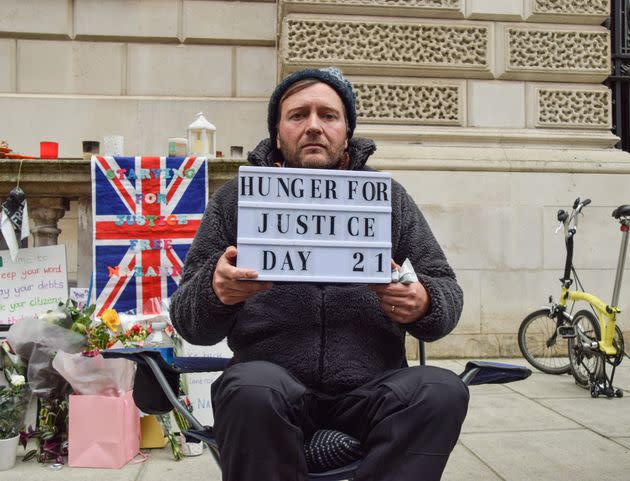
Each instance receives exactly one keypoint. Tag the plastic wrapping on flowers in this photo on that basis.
(36, 342)
(78, 332)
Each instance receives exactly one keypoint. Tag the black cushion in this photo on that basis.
(329, 449)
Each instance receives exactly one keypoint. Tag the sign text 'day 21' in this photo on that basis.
(314, 225)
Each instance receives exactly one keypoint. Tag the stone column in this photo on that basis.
(44, 214)
(84, 242)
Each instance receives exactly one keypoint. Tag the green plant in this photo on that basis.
(165, 421)
(51, 433)
(14, 397)
(182, 422)
(14, 400)
(10, 362)
(81, 317)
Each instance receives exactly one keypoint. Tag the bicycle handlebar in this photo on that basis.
(570, 221)
(583, 204)
(562, 215)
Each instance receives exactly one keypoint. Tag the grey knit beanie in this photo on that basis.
(329, 75)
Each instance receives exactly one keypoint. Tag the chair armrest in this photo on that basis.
(156, 383)
(180, 365)
(486, 372)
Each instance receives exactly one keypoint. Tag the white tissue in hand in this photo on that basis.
(406, 274)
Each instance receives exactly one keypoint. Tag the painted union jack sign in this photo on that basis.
(146, 211)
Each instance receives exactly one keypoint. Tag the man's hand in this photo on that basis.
(226, 281)
(403, 303)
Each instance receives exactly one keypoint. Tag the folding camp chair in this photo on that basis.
(156, 391)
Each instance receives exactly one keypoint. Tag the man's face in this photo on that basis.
(312, 131)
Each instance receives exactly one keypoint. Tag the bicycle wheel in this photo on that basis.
(585, 363)
(540, 344)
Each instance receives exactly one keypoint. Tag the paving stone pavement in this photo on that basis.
(544, 428)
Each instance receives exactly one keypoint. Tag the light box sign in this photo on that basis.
(37, 281)
(314, 225)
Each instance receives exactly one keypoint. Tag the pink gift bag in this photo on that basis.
(103, 431)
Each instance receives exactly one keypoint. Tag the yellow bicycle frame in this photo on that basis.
(607, 320)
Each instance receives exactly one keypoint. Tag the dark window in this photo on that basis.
(619, 81)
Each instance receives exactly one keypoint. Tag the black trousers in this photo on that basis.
(408, 421)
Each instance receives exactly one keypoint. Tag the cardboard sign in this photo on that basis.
(199, 383)
(79, 295)
(314, 225)
(37, 281)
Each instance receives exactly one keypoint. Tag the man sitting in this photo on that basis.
(313, 355)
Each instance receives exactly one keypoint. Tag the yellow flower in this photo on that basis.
(110, 319)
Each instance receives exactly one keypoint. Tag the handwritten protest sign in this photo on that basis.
(34, 283)
(199, 383)
(315, 225)
(80, 296)
(146, 212)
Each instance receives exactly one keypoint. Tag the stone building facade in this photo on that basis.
(492, 113)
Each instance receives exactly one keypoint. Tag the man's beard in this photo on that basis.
(295, 157)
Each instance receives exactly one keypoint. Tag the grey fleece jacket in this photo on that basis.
(332, 337)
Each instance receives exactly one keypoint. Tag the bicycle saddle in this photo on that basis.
(621, 211)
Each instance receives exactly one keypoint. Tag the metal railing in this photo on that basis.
(619, 80)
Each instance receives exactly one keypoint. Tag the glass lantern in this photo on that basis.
(202, 138)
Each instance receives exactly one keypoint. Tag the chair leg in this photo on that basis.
(157, 372)
(422, 353)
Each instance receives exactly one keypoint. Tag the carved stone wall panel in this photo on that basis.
(570, 107)
(445, 4)
(398, 8)
(385, 47)
(420, 103)
(567, 11)
(558, 53)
